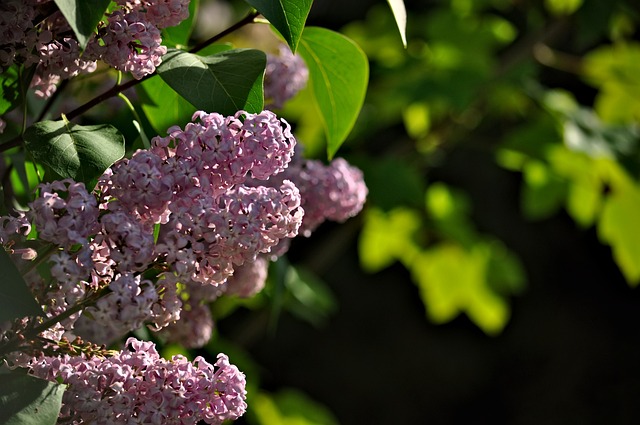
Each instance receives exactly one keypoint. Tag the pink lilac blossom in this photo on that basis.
(127, 307)
(204, 241)
(329, 192)
(161, 13)
(130, 241)
(129, 43)
(137, 386)
(214, 152)
(285, 75)
(16, 32)
(169, 305)
(193, 330)
(59, 60)
(64, 213)
(14, 229)
(248, 279)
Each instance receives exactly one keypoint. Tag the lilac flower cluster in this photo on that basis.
(137, 386)
(125, 308)
(65, 213)
(130, 41)
(333, 192)
(190, 185)
(17, 34)
(285, 75)
(249, 279)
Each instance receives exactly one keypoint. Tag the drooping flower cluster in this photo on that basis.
(333, 192)
(126, 307)
(189, 187)
(160, 13)
(249, 279)
(130, 41)
(17, 35)
(285, 75)
(137, 386)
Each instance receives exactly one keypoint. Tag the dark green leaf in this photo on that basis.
(339, 72)
(25, 400)
(74, 151)
(225, 82)
(287, 16)
(83, 16)
(312, 300)
(9, 89)
(15, 298)
(162, 105)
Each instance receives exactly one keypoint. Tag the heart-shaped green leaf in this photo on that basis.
(338, 73)
(82, 153)
(287, 16)
(15, 298)
(225, 82)
(25, 400)
(83, 16)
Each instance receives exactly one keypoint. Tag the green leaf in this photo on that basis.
(225, 82)
(25, 400)
(287, 16)
(15, 298)
(162, 105)
(74, 151)
(619, 227)
(290, 406)
(83, 16)
(387, 237)
(312, 300)
(338, 72)
(562, 7)
(10, 89)
(614, 70)
(543, 191)
(400, 15)
(453, 280)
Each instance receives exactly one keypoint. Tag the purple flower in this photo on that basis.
(285, 75)
(138, 386)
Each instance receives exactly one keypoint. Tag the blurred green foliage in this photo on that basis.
(551, 88)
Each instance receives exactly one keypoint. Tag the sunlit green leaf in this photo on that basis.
(619, 227)
(83, 16)
(9, 89)
(225, 82)
(614, 70)
(82, 153)
(25, 400)
(338, 73)
(453, 280)
(388, 237)
(15, 298)
(287, 16)
(562, 7)
(290, 407)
